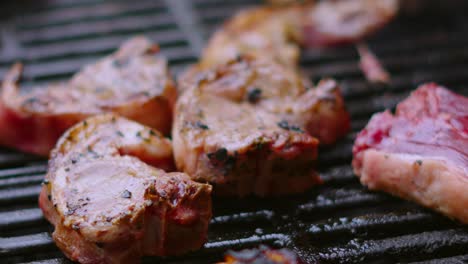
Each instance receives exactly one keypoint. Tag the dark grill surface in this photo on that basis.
(339, 222)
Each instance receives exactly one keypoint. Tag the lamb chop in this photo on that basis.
(419, 153)
(251, 126)
(108, 205)
(345, 21)
(131, 82)
(277, 32)
(262, 255)
(265, 31)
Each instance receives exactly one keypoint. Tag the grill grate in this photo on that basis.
(339, 222)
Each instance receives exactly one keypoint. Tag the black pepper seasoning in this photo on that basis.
(75, 226)
(126, 194)
(283, 124)
(200, 125)
(219, 155)
(119, 63)
(254, 95)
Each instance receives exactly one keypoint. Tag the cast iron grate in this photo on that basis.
(339, 222)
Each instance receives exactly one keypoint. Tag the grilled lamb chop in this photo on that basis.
(132, 82)
(278, 32)
(248, 126)
(345, 21)
(265, 31)
(109, 206)
(262, 255)
(421, 152)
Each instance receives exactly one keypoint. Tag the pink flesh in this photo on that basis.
(432, 122)
(371, 66)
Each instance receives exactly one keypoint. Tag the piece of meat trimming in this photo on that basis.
(371, 66)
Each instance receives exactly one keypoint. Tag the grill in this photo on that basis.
(338, 222)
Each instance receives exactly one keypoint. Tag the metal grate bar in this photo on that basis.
(188, 23)
(67, 66)
(408, 247)
(450, 260)
(95, 28)
(102, 11)
(20, 218)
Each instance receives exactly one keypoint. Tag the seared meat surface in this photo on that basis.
(251, 126)
(108, 205)
(262, 255)
(131, 82)
(421, 152)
